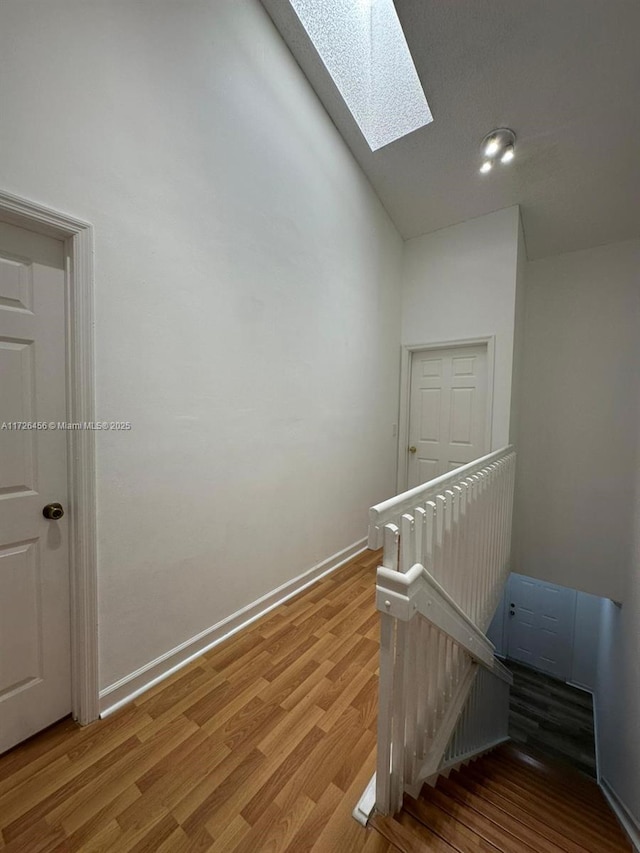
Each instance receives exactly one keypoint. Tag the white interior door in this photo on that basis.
(447, 411)
(35, 661)
(540, 625)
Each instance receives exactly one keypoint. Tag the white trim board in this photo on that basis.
(579, 686)
(77, 237)
(366, 804)
(128, 688)
(405, 394)
(596, 735)
(626, 819)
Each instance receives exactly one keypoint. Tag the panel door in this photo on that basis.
(35, 667)
(447, 411)
(540, 625)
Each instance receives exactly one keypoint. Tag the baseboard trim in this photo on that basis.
(128, 688)
(596, 735)
(583, 687)
(626, 818)
(366, 803)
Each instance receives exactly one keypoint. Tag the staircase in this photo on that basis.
(443, 695)
(512, 800)
(448, 779)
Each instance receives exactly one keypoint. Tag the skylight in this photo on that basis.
(364, 49)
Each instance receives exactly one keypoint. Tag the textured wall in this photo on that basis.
(579, 422)
(618, 691)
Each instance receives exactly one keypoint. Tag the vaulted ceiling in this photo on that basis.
(563, 74)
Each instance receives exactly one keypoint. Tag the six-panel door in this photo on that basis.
(34, 558)
(540, 622)
(447, 411)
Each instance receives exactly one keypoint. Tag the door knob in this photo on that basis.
(53, 511)
(512, 613)
(412, 449)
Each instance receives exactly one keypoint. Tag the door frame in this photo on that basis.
(408, 351)
(77, 237)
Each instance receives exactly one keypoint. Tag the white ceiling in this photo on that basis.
(563, 74)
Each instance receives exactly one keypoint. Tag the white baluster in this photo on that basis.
(439, 540)
(391, 546)
(412, 687)
(385, 712)
(453, 495)
(447, 579)
(442, 675)
(485, 542)
(463, 558)
(430, 537)
(494, 542)
(472, 545)
(407, 543)
(434, 698)
(398, 751)
(423, 677)
(420, 517)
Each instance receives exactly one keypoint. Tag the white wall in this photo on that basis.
(579, 423)
(618, 689)
(618, 701)
(586, 639)
(459, 283)
(247, 304)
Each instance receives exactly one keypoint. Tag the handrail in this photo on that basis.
(393, 508)
(403, 595)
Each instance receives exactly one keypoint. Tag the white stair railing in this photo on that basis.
(446, 557)
(483, 723)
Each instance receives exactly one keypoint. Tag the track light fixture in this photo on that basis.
(499, 145)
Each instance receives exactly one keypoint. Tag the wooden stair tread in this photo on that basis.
(542, 839)
(511, 800)
(547, 781)
(453, 822)
(538, 765)
(456, 835)
(544, 790)
(554, 799)
(562, 817)
(580, 785)
(407, 839)
(521, 837)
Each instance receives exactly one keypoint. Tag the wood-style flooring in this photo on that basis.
(553, 717)
(513, 800)
(264, 743)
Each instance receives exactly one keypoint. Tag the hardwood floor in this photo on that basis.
(513, 800)
(553, 717)
(263, 744)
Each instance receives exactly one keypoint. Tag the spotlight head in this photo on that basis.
(491, 147)
(508, 154)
